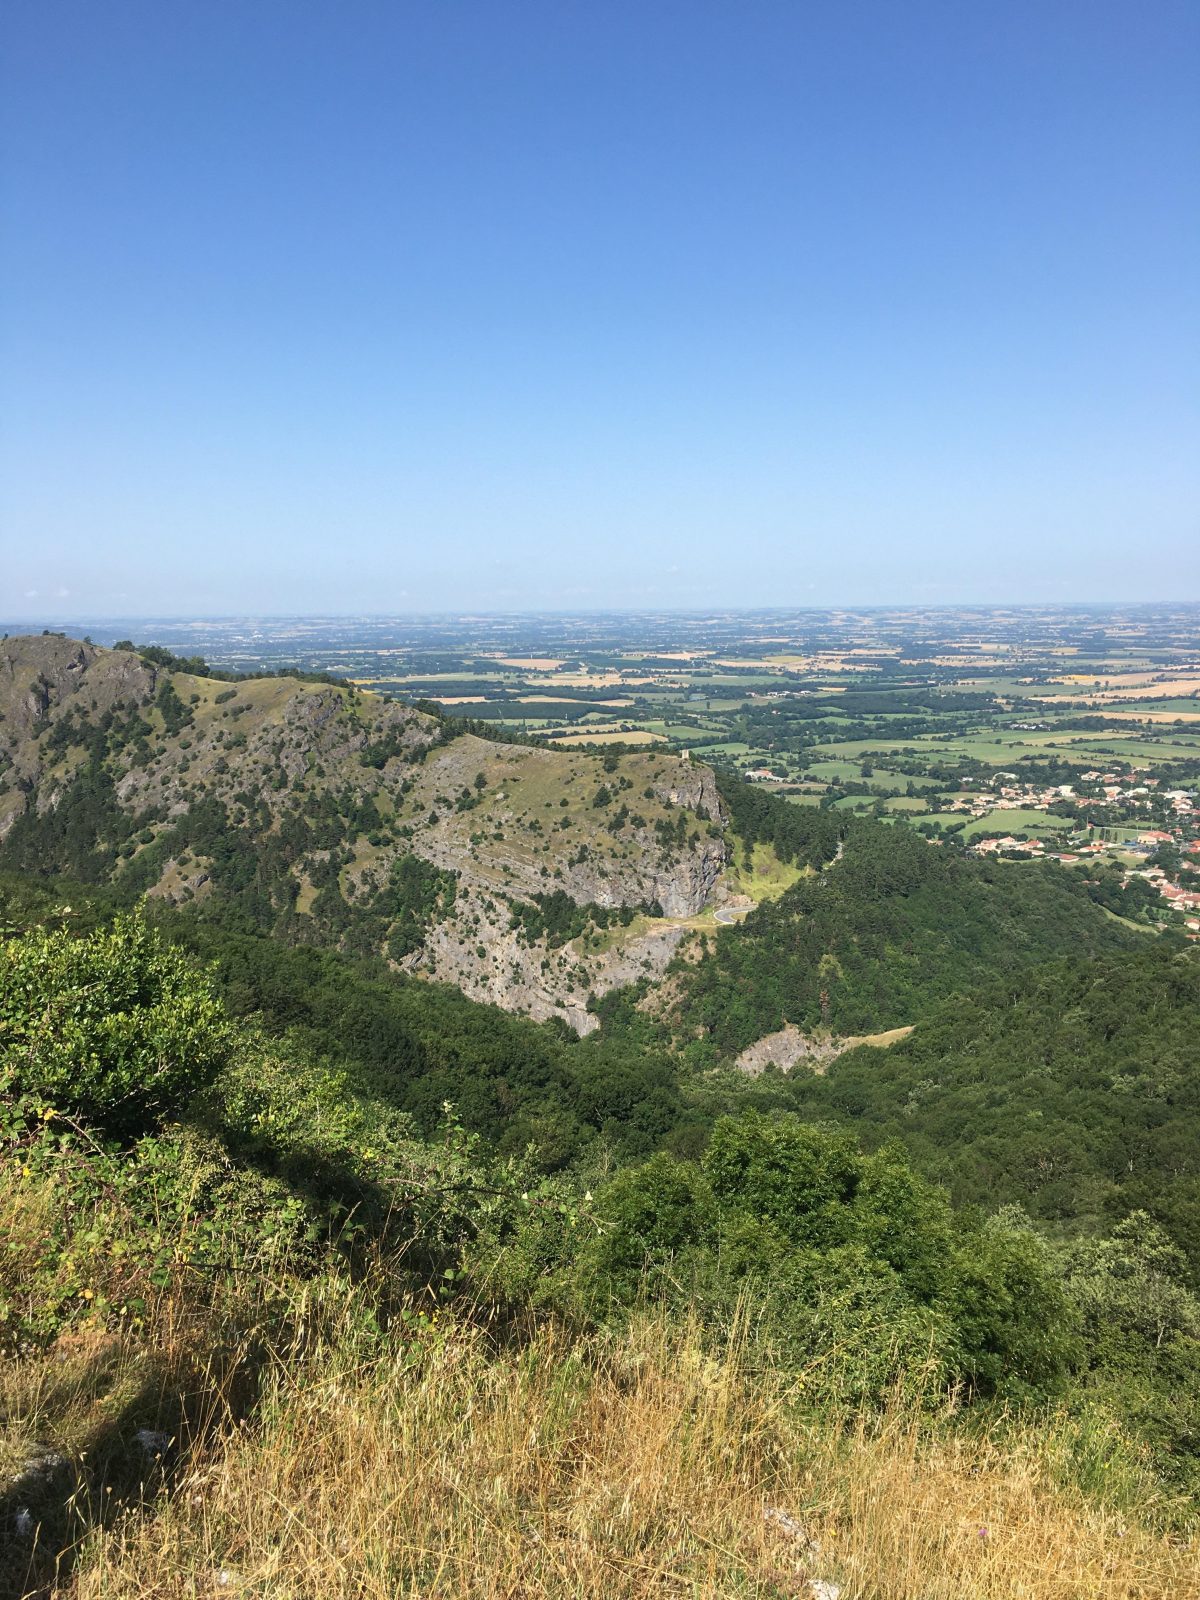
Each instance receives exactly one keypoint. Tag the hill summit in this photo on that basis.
(530, 877)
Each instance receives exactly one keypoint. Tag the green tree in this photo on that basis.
(1017, 1330)
(115, 1028)
(647, 1216)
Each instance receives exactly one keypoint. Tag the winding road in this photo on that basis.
(728, 915)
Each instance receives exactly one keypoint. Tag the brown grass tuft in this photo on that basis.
(628, 1466)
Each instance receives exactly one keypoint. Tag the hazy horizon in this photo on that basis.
(115, 621)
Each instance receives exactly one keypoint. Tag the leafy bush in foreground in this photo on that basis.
(858, 1268)
(114, 1028)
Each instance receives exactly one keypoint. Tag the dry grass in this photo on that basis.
(880, 1041)
(351, 1464)
(628, 1467)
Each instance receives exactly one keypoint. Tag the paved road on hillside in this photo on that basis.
(728, 915)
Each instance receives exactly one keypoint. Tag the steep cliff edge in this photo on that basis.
(331, 815)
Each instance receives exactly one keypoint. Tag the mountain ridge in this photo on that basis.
(337, 816)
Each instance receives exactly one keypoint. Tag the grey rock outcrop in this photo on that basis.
(788, 1048)
(308, 770)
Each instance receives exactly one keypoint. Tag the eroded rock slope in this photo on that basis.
(530, 877)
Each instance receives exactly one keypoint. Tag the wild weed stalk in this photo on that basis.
(422, 1461)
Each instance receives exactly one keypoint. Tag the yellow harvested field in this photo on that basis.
(1139, 685)
(530, 663)
(459, 699)
(611, 680)
(1166, 688)
(564, 700)
(666, 655)
(766, 663)
(1132, 685)
(1154, 716)
(638, 736)
(968, 661)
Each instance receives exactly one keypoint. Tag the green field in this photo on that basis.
(1009, 745)
(1022, 823)
(881, 777)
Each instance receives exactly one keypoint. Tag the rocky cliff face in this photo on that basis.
(538, 828)
(306, 801)
(45, 675)
(480, 952)
(789, 1048)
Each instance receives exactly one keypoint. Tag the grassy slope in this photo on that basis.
(635, 1465)
(768, 877)
(422, 1461)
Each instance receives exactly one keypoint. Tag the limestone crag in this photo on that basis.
(789, 1048)
(307, 799)
(44, 675)
(480, 952)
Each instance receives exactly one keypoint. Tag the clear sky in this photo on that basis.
(333, 305)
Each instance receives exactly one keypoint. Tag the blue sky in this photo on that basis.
(330, 305)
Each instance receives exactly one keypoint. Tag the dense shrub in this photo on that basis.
(115, 1027)
(856, 1270)
(199, 1150)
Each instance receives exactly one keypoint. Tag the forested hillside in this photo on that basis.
(878, 938)
(1072, 1089)
(414, 1046)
